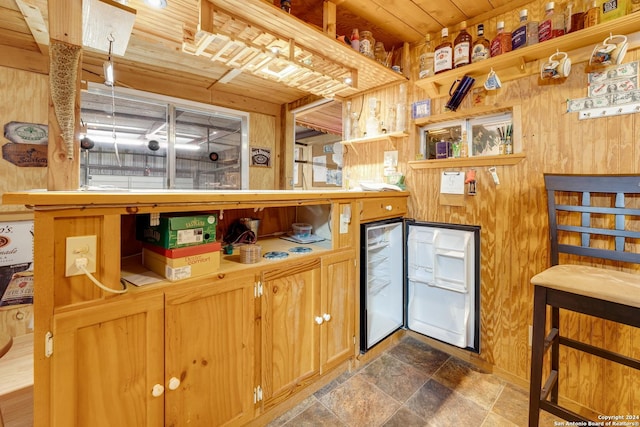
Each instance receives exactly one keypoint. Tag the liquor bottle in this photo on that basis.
(576, 17)
(519, 35)
(355, 39)
(501, 43)
(443, 58)
(545, 27)
(526, 34)
(592, 14)
(462, 47)
(481, 46)
(557, 24)
(426, 58)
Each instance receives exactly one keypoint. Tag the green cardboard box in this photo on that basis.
(177, 231)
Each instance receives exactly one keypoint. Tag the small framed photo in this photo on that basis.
(260, 156)
(487, 134)
(421, 109)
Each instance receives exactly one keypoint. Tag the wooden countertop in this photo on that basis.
(43, 198)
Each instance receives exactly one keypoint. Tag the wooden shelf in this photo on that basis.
(246, 38)
(516, 64)
(477, 161)
(383, 137)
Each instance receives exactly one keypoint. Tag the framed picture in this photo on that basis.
(260, 156)
(487, 134)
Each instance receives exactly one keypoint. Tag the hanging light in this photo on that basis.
(158, 4)
(107, 66)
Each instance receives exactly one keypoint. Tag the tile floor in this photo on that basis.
(413, 384)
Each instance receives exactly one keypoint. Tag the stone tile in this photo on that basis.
(420, 355)
(398, 379)
(495, 420)
(316, 415)
(404, 417)
(466, 379)
(358, 402)
(293, 412)
(513, 404)
(441, 406)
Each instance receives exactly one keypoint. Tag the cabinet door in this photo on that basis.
(209, 354)
(290, 334)
(105, 364)
(338, 309)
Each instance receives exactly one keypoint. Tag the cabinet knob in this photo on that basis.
(319, 320)
(157, 390)
(389, 207)
(174, 383)
(326, 317)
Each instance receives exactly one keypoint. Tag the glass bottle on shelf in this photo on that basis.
(380, 54)
(592, 14)
(355, 39)
(501, 43)
(426, 58)
(576, 16)
(391, 119)
(401, 110)
(527, 32)
(346, 122)
(481, 46)
(557, 24)
(443, 58)
(462, 47)
(373, 124)
(367, 43)
(355, 125)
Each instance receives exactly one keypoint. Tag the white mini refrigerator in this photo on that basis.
(422, 276)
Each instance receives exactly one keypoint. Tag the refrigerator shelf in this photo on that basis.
(376, 285)
(378, 245)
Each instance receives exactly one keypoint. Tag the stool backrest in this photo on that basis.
(571, 197)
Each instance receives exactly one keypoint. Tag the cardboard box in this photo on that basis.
(16, 242)
(177, 231)
(184, 267)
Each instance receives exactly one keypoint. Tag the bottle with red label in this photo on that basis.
(462, 47)
(552, 25)
(501, 43)
(443, 58)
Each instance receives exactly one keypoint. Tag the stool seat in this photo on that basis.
(595, 282)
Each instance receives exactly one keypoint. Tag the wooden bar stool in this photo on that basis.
(604, 293)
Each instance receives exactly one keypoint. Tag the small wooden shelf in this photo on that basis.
(502, 160)
(516, 64)
(383, 137)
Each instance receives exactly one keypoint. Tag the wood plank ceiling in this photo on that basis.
(155, 47)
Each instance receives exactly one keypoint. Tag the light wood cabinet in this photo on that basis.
(338, 307)
(290, 330)
(107, 359)
(209, 354)
(381, 208)
(208, 350)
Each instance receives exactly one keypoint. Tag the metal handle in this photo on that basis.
(174, 383)
(319, 320)
(389, 207)
(326, 317)
(157, 390)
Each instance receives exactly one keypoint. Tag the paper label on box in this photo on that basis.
(178, 273)
(188, 236)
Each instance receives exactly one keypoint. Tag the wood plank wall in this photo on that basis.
(514, 226)
(23, 97)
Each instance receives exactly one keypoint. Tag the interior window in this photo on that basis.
(134, 141)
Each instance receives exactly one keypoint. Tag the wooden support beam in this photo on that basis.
(329, 19)
(63, 154)
(205, 17)
(33, 17)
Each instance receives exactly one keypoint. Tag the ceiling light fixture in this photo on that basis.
(107, 66)
(158, 4)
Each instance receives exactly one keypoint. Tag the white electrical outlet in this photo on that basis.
(80, 247)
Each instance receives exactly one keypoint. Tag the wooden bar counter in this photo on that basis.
(229, 348)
